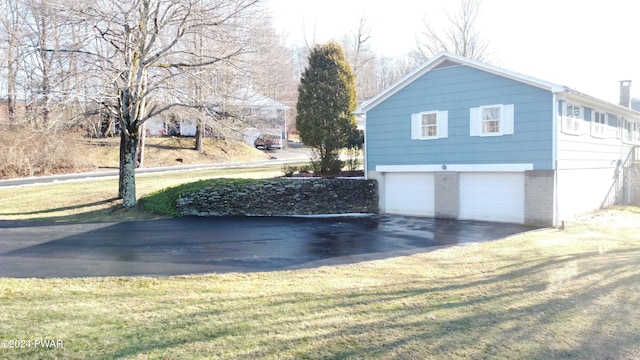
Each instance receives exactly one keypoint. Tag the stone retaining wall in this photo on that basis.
(308, 196)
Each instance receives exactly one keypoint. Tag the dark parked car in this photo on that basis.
(268, 142)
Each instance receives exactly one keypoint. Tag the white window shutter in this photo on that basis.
(443, 124)
(563, 117)
(416, 126)
(474, 121)
(619, 127)
(508, 119)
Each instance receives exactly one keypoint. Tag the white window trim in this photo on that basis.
(506, 125)
(598, 130)
(442, 124)
(422, 114)
(571, 125)
(631, 132)
(500, 121)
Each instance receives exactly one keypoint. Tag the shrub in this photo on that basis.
(28, 152)
(305, 169)
(354, 159)
(327, 163)
(289, 170)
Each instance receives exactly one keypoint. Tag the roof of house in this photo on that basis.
(444, 60)
(251, 98)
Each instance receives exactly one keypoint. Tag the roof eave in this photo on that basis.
(584, 99)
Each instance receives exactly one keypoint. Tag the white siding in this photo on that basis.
(583, 190)
(155, 127)
(187, 127)
(588, 176)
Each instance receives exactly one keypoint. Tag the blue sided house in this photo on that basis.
(461, 139)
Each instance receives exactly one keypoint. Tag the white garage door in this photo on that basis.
(409, 194)
(492, 197)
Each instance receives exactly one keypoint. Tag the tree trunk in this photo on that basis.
(199, 135)
(11, 87)
(121, 167)
(128, 169)
(140, 150)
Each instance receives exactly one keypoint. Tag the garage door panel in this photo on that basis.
(492, 197)
(409, 194)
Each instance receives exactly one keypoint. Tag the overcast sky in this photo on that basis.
(587, 45)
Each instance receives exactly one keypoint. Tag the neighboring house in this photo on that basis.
(251, 107)
(161, 127)
(461, 139)
(258, 111)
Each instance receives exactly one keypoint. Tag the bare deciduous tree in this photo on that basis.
(145, 52)
(11, 24)
(358, 52)
(389, 70)
(461, 37)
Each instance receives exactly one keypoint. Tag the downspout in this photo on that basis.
(364, 148)
(554, 158)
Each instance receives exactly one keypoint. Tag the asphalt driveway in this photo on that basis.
(219, 245)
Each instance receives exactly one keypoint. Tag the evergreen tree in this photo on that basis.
(326, 102)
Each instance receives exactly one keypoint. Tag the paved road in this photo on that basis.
(220, 245)
(277, 157)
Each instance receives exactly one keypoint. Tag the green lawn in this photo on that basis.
(96, 200)
(545, 294)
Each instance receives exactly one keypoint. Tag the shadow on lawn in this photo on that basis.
(60, 209)
(520, 311)
(107, 210)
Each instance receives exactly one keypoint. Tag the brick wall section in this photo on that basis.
(447, 195)
(283, 197)
(538, 197)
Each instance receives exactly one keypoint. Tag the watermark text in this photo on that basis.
(31, 343)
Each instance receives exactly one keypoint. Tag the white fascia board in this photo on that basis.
(513, 75)
(456, 168)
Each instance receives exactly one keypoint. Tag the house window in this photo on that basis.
(632, 132)
(429, 125)
(598, 123)
(572, 119)
(491, 120)
(491, 117)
